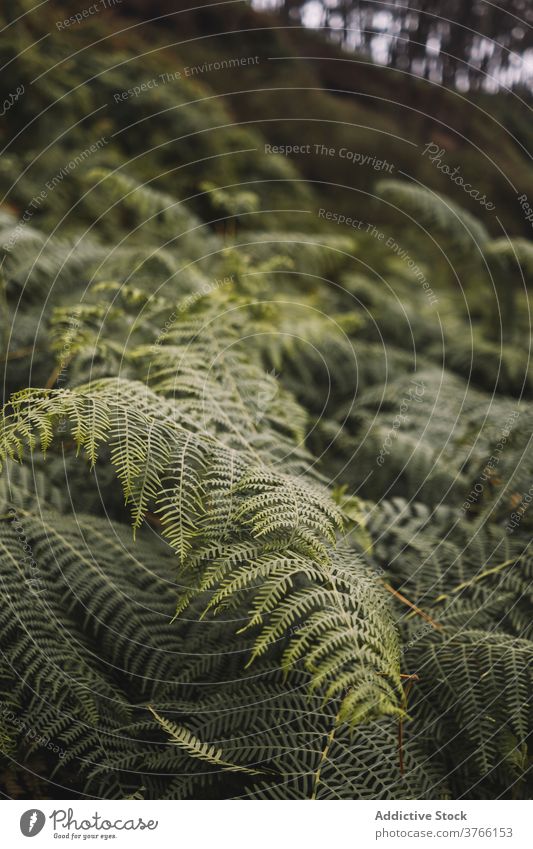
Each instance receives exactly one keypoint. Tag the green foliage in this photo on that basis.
(436, 213)
(461, 244)
(264, 525)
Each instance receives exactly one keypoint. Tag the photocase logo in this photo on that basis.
(32, 822)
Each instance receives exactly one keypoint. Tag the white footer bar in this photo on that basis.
(268, 825)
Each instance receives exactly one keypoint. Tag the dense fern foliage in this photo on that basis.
(265, 527)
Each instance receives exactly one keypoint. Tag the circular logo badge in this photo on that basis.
(32, 822)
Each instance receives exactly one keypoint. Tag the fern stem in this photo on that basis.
(20, 353)
(324, 756)
(413, 607)
(475, 579)
(408, 688)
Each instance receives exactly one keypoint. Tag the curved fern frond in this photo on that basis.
(440, 215)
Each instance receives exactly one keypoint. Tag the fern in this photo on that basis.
(158, 461)
(216, 580)
(437, 213)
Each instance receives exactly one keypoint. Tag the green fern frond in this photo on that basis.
(195, 748)
(440, 215)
